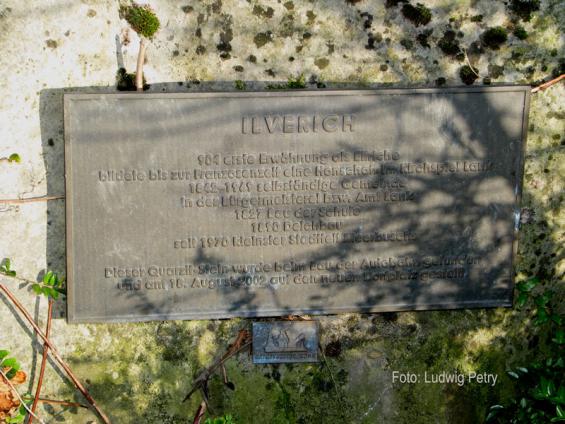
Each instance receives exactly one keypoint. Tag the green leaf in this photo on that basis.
(523, 402)
(7, 264)
(560, 397)
(36, 288)
(528, 285)
(560, 411)
(11, 363)
(542, 317)
(522, 370)
(50, 292)
(14, 157)
(522, 299)
(16, 419)
(3, 354)
(47, 277)
(559, 337)
(556, 319)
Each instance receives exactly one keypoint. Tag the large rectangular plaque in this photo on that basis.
(214, 205)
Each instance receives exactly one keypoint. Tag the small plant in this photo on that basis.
(540, 395)
(14, 157)
(494, 37)
(226, 419)
(240, 85)
(298, 82)
(6, 269)
(418, 15)
(13, 409)
(51, 287)
(145, 22)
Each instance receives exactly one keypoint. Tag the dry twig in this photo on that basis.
(548, 84)
(54, 353)
(200, 413)
(242, 341)
(43, 359)
(30, 200)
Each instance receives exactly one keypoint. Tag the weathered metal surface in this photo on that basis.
(189, 206)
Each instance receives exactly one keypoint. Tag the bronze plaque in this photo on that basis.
(279, 342)
(214, 205)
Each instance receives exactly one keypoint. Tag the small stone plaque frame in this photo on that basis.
(278, 342)
(216, 205)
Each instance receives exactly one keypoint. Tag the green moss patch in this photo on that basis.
(142, 19)
(468, 75)
(418, 15)
(494, 37)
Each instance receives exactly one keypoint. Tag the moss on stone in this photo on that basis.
(407, 43)
(495, 71)
(418, 15)
(468, 75)
(524, 8)
(494, 37)
(240, 85)
(520, 32)
(423, 38)
(263, 38)
(126, 81)
(262, 12)
(322, 62)
(142, 19)
(449, 43)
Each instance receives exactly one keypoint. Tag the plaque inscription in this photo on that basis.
(188, 206)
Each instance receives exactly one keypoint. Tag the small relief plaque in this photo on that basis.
(279, 342)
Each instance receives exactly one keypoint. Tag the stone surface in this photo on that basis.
(140, 372)
(264, 204)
